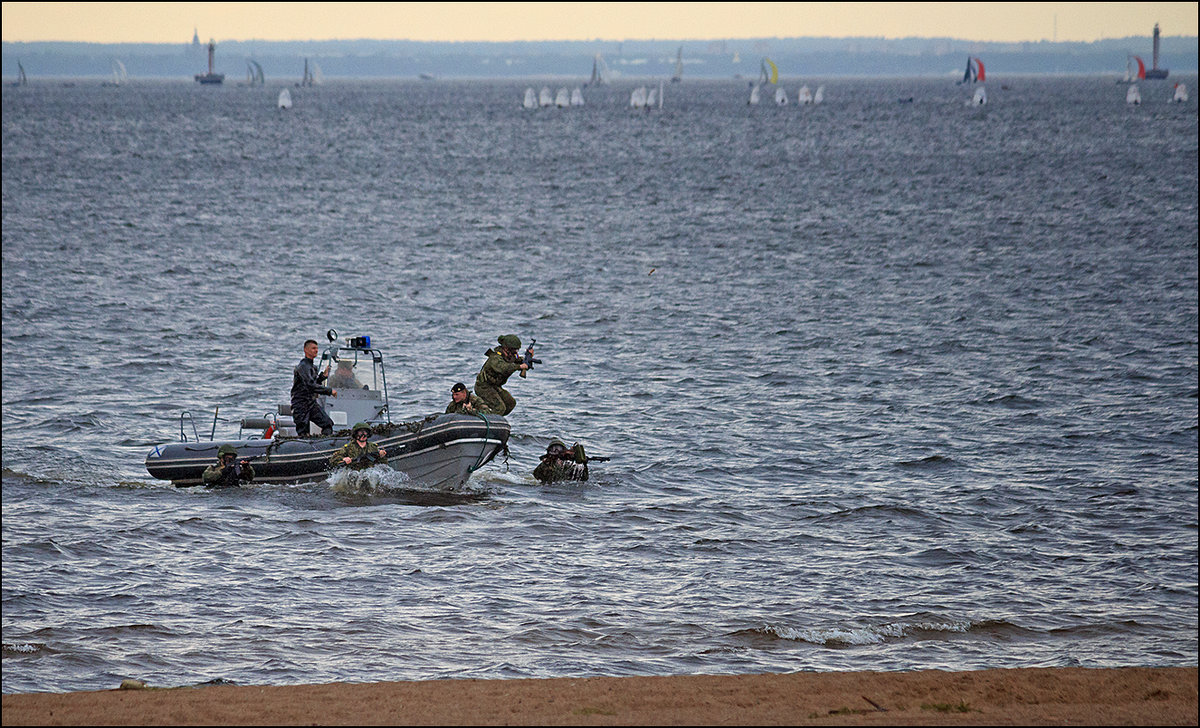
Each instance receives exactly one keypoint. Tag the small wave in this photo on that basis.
(1010, 401)
(936, 462)
(23, 648)
(836, 635)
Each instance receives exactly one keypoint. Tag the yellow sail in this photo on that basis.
(774, 71)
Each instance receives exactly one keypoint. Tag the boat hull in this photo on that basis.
(439, 451)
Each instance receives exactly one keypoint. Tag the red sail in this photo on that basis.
(980, 78)
(1141, 68)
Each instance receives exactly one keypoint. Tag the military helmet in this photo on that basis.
(226, 450)
(556, 445)
(360, 426)
(510, 341)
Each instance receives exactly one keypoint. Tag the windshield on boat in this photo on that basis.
(353, 370)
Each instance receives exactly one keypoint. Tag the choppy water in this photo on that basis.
(885, 386)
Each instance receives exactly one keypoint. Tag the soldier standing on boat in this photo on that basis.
(359, 453)
(228, 471)
(463, 402)
(501, 364)
(306, 385)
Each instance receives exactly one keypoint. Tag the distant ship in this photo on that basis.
(1156, 72)
(210, 77)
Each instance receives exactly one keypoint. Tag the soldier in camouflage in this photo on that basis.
(562, 463)
(463, 402)
(227, 472)
(501, 364)
(359, 453)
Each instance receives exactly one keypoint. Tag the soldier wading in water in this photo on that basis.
(228, 471)
(501, 364)
(359, 453)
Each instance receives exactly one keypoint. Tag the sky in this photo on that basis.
(979, 21)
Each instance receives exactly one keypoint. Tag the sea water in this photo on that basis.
(885, 385)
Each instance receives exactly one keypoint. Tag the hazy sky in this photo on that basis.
(174, 22)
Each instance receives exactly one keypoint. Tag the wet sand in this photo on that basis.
(1034, 696)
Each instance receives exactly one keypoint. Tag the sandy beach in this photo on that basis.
(1033, 696)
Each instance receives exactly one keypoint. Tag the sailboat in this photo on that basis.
(285, 99)
(678, 66)
(651, 98)
(120, 76)
(1181, 94)
(577, 97)
(1132, 95)
(599, 71)
(765, 76)
(254, 74)
(819, 96)
(311, 76)
(1130, 74)
(753, 100)
(975, 72)
(980, 97)
(805, 96)
(545, 98)
(562, 99)
(637, 99)
(781, 96)
(530, 101)
(21, 80)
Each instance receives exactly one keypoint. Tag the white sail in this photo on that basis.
(577, 97)
(285, 99)
(678, 76)
(530, 101)
(545, 98)
(819, 96)
(660, 94)
(652, 97)
(805, 96)
(599, 71)
(254, 74)
(120, 75)
(980, 97)
(781, 96)
(1133, 95)
(753, 95)
(1181, 94)
(637, 99)
(562, 99)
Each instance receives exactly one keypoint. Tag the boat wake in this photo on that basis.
(376, 480)
(380, 484)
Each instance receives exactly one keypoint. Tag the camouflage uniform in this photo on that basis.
(361, 458)
(218, 475)
(489, 383)
(569, 465)
(460, 408)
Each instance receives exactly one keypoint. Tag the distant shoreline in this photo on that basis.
(1026, 696)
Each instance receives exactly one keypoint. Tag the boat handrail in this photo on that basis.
(187, 414)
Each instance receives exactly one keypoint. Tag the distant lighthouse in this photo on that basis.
(1156, 72)
(211, 77)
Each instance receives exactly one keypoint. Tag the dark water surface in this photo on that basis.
(886, 386)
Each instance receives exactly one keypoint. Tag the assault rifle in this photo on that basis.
(527, 359)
